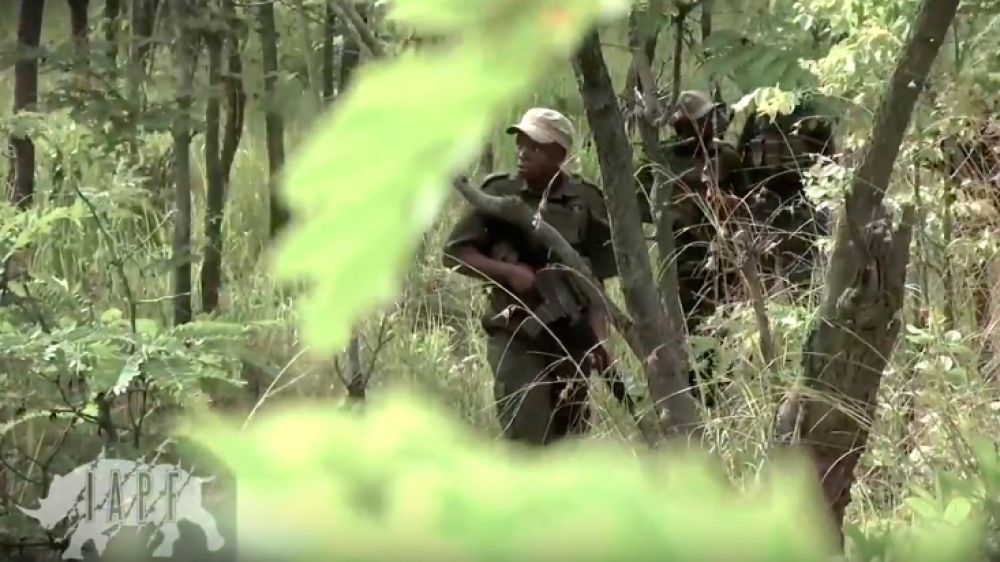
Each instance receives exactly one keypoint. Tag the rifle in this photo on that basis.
(563, 299)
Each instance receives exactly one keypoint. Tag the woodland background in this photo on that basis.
(127, 304)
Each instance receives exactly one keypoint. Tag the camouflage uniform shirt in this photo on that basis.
(575, 208)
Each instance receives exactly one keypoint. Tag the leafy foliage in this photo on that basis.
(405, 478)
(452, 99)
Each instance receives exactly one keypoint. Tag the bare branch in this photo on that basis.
(362, 33)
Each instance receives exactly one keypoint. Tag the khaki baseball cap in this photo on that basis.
(546, 126)
(693, 104)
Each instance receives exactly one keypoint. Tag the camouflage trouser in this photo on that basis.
(541, 391)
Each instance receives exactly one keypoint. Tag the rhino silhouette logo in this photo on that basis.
(102, 496)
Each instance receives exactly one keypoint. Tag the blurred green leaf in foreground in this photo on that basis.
(373, 175)
(403, 482)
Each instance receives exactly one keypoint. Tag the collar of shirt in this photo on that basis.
(567, 188)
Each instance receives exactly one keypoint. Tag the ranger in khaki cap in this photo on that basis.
(543, 336)
(546, 126)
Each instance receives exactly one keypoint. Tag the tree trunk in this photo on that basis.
(642, 45)
(236, 98)
(211, 269)
(273, 121)
(664, 357)
(182, 166)
(329, 31)
(357, 386)
(706, 19)
(112, 9)
(359, 26)
(706, 31)
(148, 30)
(29, 34)
(220, 165)
(78, 24)
(304, 32)
(349, 58)
(849, 346)
(142, 21)
(679, 21)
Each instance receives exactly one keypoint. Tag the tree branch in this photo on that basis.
(362, 33)
(857, 327)
(662, 191)
(665, 358)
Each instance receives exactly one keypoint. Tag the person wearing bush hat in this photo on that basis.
(543, 335)
(696, 105)
(546, 126)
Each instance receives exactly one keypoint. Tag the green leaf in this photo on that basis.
(355, 222)
(130, 371)
(147, 326)
(922, 506)
(958, 511)
(406, 478)
(111, 316)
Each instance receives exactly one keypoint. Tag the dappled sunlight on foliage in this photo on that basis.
(417, 466)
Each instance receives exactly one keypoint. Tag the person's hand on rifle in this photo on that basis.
(520, 277)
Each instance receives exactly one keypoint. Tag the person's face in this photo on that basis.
(537, 162)
(693, 128)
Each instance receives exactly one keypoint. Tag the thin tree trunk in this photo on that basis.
(648, 41)
(349, 58)
(856, 330)
(236, 98)
(78, 24)
(358, 19)
(706, 31)
(675, 86)
(273, 122)
(665, 361)
(232, 85)
(668, 286)
(148, 30)
(142, 21)
(357, 386)
(329, 31)
(182, 165)
(29, 34)
(948, 228)
(112, 10)
(706, 19)
(304, 32)
(211, 269)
